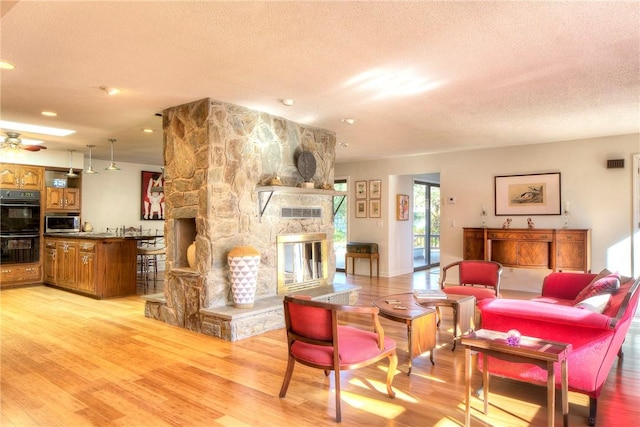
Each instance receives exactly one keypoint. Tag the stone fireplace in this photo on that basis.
(219, 161)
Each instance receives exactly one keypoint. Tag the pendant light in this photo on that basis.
(71, 173)
(112, 166)
(90, 171)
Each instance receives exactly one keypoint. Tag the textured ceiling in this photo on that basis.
(459, 75)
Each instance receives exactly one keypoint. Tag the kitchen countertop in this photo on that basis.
(99, 236)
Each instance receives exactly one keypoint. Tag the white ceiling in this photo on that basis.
(494, 73)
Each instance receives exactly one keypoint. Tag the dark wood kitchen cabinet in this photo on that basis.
(556, 249)
(21, 177)
(66, 259)
(87, 267)
(50, 274)
(19, 274)
(62, 199)
(97, 267)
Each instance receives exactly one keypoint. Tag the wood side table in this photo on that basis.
(535, 351)
(464, 309)
(354, 255)
(420, 321)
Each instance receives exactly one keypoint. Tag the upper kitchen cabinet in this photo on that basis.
(62, 192)
(63, 199)
(22, 177)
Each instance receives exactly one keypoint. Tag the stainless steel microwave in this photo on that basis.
(61, 223)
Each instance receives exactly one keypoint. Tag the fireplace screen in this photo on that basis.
(302, 261)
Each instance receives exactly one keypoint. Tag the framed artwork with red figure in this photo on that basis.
(152, 206)
(402, 207)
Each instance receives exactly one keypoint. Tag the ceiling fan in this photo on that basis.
(13, 142)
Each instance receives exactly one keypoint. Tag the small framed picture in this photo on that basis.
(402, 207)
(361, 189)
(375, 189)
(361, 208)
(374, 208)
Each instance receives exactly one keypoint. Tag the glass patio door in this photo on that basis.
(340, 224)
(426, 225)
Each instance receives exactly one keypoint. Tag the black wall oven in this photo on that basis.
(19, 226)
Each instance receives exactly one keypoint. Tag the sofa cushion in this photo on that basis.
(552, 300)
(476, 291)
(596, 303)
(606, 284)
(505, 314)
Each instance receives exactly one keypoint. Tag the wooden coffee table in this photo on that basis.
(420, 321)
(464, 309)
(535, 351)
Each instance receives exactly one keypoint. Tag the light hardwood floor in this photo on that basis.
(68, 360)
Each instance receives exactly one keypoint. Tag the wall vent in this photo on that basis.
(301, 212)
(614, 164)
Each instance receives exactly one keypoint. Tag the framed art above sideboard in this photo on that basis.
(531, 194)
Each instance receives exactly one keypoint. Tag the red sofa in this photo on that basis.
(596, 337)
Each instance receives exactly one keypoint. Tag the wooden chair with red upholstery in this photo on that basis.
(315, 339)
(477, 278)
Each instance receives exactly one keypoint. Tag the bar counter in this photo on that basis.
(99, 265)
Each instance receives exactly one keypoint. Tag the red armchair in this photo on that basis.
(315, 339)
(480, 279)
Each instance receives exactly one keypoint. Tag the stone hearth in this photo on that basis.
(216, 157)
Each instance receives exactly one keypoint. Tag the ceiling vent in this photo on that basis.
(301, 213)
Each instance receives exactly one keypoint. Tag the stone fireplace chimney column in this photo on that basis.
(216, 156)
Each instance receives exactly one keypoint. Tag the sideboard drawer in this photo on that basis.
(571, 236)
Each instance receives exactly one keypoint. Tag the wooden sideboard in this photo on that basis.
(556, 249)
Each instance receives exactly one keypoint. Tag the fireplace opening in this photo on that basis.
(302, 261)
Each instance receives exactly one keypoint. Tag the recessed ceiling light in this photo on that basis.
(343, 144)
(7, 65)
(110, 90)
(147, 130)
(348, 121)
(287, 101)
(24, 127)
(49, 113)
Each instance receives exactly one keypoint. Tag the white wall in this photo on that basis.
(600, 199)
(400, 255)
(47, 157)
(113, 198)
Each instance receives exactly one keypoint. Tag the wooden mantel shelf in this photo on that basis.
(556, 249)
(281, 189)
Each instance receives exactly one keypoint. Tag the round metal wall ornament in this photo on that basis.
(307, 165)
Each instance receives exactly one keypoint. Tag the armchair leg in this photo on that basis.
(287, 376)
(593, 406)
(393, 364)
(338, 408)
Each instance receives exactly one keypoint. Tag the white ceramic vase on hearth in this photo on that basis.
(243, 266)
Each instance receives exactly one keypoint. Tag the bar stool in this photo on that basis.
(149, 251)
